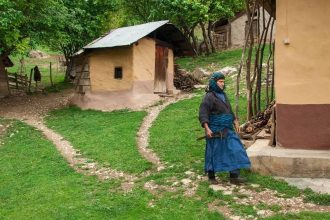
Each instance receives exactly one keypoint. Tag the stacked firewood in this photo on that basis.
(259, 126)
(183, 80)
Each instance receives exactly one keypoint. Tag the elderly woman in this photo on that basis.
(224, 150)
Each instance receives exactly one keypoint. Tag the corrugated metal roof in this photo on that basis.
(126, 35)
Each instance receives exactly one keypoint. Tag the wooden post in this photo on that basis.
(7, 79)
(26, 82)
(50, 74)
(16, 80)
(30, 80)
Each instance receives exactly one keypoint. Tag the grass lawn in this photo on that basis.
(36, 183)
(179, 147)
(211, 62)
(108, 138)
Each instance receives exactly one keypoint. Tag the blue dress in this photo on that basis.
(227, 153)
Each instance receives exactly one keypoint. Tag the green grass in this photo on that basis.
(173, 135)
(218, 60)
(301, 216)
(108, 138)
(180, 148)
(58, 72)
(211, 62)
(317, 198)
(36, 183)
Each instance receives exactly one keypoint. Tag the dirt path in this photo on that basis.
(79, 163)
(32, 109)
(263, 201)
(143, 133)
(23, 107)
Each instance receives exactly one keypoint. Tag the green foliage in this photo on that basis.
(21, 21)
(65, 25)
(81, 22)
(185, 14)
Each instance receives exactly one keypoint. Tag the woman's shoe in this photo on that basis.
(213, 181)
(237, 180)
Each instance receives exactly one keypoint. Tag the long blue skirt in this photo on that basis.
(225, 154)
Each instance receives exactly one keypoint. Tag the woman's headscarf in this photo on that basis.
(213, 86)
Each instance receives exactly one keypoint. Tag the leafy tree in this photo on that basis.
(21, 22)
(65, 25)
(83, 21)
(216, 9)
(141, 11)
(187, 15)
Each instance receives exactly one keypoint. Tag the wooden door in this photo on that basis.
(161, 64)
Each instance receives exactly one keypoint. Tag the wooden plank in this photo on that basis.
(161, 63)
(50, 74)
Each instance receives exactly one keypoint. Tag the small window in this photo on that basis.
(118, 72)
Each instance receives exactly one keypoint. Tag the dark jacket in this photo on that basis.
(211, 104)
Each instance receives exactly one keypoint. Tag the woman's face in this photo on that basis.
(221, 83)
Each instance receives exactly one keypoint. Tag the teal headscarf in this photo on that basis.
(213, 82)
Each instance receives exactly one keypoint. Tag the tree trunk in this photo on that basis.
(260, 62)
(205, 37)
(209, 33)
(194, 41)
(268, 62)
(249, 81)
(4, 90)
(249, 32)
(190, 36)
(273, 75)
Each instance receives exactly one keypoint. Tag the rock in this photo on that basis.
(189, 173)
(186, 181)
(228, 70)
(261, 212)
(242, 191)
(199, 73)
(151, 204)
(235, 217)
(218, 188)
(227, 192)
(199, 86)
(255, 185)
(38, 54)
(175, 183)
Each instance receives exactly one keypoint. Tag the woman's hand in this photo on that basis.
(208, 131)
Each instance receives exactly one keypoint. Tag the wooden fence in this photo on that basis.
(18, 82)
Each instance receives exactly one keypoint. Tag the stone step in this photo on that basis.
(284, 162)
